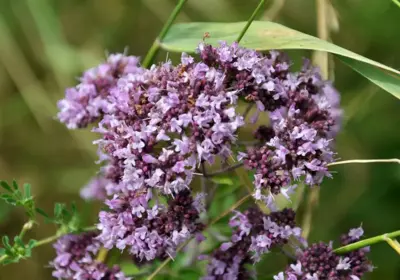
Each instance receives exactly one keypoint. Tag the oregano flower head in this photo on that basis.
(254, 234)
(76, 259)
(320, 262)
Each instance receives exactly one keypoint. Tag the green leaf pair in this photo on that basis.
(265, 35)
(16, 197)
(13, 253)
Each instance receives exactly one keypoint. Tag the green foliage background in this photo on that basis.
(46, 44)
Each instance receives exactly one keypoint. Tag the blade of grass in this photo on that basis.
(156, 44)
(320, 59)
(24, 78)
(58, 54)
(252, 17)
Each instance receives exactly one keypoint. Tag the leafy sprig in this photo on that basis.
(65, 218)
(16, 197)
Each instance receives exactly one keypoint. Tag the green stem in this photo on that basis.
(394, 244)
(396, 2)
(366, 242)
(156, 44)
(49, 239)
(394, 160)
(252, 17)
(27, 226)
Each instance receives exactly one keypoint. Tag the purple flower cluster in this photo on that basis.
(149, 232)
(76, 259)
(254, 234)
(158, 125)
(87, 102)
(165, 121)
(320, 262)
(96, 188)
(304, 116)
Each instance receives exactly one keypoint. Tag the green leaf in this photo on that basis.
(223, 180)
(58, 208)
(386, 80)
(41, 212)
(15, 185)
(6, 196)
(5, 186)
(6, 242)
(264, 35)
(2, 251)
(18, 240)
(9, 199)
(8, 261)
(27, 190)
(32, 243)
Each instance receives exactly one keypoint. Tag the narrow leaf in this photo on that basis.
(384, 79)
(264, 35)
(15, 185)
(41, 212)
(6, 242)
(32, 243)
(27, 190)
(5, 186)
(18, 240)
(58, 207)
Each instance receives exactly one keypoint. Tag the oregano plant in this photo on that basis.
(169, 135)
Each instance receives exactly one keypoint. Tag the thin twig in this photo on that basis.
(393, 160)
(223, 170)
(252, 17)
(248, 143)
(247, 111)
(156, 44)
(366, 242)
(204, 179)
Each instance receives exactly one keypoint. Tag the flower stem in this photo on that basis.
(252, 17)
(321, 58)
(102, 255)
(313, 200)
(223, 170)
(156, 44)
(367, 242)
(396, 2)
(394, 244)
(394, 160)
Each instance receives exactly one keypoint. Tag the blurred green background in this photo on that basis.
(46, 44)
